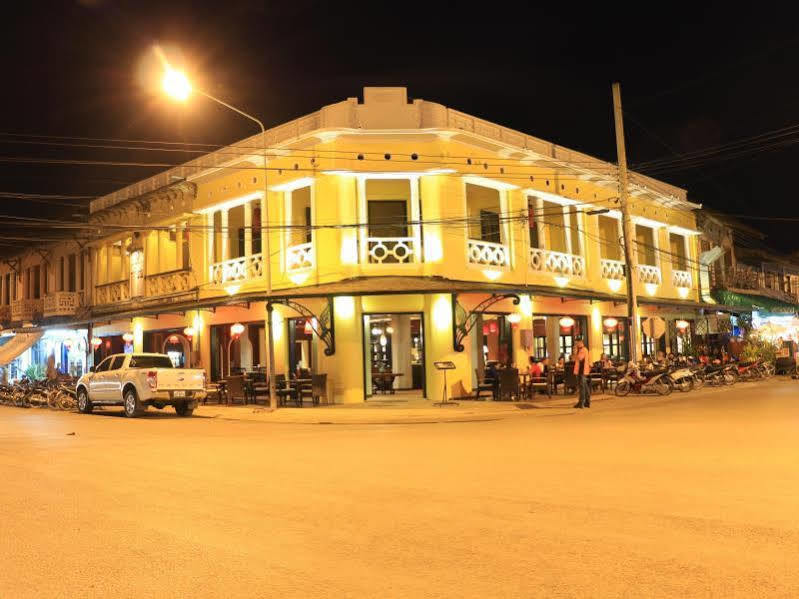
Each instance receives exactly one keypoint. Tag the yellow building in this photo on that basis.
(392, 234)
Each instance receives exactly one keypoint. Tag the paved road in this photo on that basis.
(689, 496)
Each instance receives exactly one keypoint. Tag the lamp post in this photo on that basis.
(177, 86)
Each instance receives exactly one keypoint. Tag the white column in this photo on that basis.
(225, 236)
(265, 247)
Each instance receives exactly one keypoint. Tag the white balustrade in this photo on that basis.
(681, 278)
(111, 293)
(612, 269)
(649, 274)
(26, 309)
(299, 257)
(243, 269)
(61, 303)
(488, 253)
(167, 283)
(557, 262)
(391, 250)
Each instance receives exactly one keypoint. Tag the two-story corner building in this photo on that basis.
(381, 236)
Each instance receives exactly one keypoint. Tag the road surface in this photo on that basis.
(688, 496)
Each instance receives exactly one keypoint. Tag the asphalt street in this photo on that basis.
(693, 495)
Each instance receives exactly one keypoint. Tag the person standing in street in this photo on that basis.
(582, 368)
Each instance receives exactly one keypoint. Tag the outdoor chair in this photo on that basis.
(236, 389)
(316, 390)
(569, 379)
(483, 384)
(542, 383)
(508, 384)
(284, 392)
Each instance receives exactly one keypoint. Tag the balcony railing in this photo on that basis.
(246, 268)
(167, 283)
(5, 313)
(391, 250)
(62, 303)
(681, 278)
(557, 262)
(299, 257)
(612, 269)
(25, 309)
(488, 253)
(649, 274)
(111, 293)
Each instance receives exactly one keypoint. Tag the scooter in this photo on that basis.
(650, 382)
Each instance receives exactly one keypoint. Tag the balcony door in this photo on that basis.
(388, 212)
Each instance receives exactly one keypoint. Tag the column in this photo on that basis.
(225, 236)
(438, 347)
(346, 365)
(248, 229)
(595, 338)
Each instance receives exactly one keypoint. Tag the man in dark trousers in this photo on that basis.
(582, 368)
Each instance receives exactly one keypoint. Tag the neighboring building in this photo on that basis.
(394, 230)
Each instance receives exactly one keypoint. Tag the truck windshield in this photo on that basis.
(150, 362)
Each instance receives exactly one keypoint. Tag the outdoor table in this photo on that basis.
(387, 381)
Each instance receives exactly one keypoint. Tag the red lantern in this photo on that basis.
(174, 339)
(493, 327)
(486, 330)
(308, 328)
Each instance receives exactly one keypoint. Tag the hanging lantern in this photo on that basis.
(308, 328)
(189, 332)
(377, 331)
(566, 322)
(174, 339)
(96, 342)
(514, 318)
(383, 340)
(610, 323)
(682, 324)
(236, 329)
(389, 330)
(493, 327)
(486, 330)
(127, 337)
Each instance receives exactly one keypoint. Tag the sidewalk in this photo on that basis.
(384, 411)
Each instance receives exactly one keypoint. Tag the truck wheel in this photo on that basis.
(185, 408)
(84, 404)
(133, 407)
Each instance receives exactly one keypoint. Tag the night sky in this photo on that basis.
(693, 77)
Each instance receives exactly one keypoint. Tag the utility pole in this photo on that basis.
(630, 258)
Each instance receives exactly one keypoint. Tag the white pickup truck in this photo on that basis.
(137, 381)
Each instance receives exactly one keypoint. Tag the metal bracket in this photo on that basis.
(463, 322)
(324, 325)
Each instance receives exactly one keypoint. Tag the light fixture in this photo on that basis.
(96, 342)
(232, 289)
(174, 339)
(610, 323)
(308, 329)
(651, 288)
(390, 330)
(492, 275)
(682, 324)
(176, 85)
(383, 340)
(614, 284)
(526, 305)
(298, 278)
(514, 318)
(127, 337)
(236, 329)
(377, 331)
(189, 332)
(562, 281)
(683, 292)
(566, 322)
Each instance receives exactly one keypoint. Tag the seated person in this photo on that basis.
(606, 362)
(561, 361)
(534, 368)
(544, 365)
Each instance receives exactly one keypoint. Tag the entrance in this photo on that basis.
(302, 346)
(393, 355)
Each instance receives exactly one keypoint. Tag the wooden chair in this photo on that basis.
(569, 379)
(482, 385)
(284, 392)
(216, 392)
(542, 383)
(236, 389)
(317, 389)
(508, 384)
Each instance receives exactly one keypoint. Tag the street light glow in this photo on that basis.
(176, 85)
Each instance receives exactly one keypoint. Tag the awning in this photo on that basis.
(17, 344)
(753, 302)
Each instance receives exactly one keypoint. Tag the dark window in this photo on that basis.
(73, 271)
(489, 226)
(103, 366)
(185, 246)
(150, 362)
(61, 274)
(308, 224)
(256, 227)
(37, 282)
(387, 218)
(531, 223)
(117, 364)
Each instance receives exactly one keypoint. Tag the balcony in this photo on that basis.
(649, 274)
(612, 270)
(62, 303)
(391, 250)
(299, 257)
(169, 283)
(241, 270)
(26, 309)
(681, 278)
(488, 253)
(112, 293)
(557, 263)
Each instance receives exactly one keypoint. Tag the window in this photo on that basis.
(299, 208)
(540, 347)
(679, 261)
(387, 218)
(566, 345)
(81, 260)
(256, 227)
(532, 223)
(236, 232)
(552, 217)
(647, 345)
(609, 238)
(117, 363)
(37, 282)
(7, 289)
(645, 244)
(483, 208)
(576, 246)
(103, 366)
(185, 245)
(150, 362)
(73, 271)
(217, 232)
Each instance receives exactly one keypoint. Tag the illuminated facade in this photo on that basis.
(388, 223)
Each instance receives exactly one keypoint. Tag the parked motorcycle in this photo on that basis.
(636, 382)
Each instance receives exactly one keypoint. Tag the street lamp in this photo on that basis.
(177, 86)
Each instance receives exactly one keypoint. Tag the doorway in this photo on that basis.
(394, 358)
